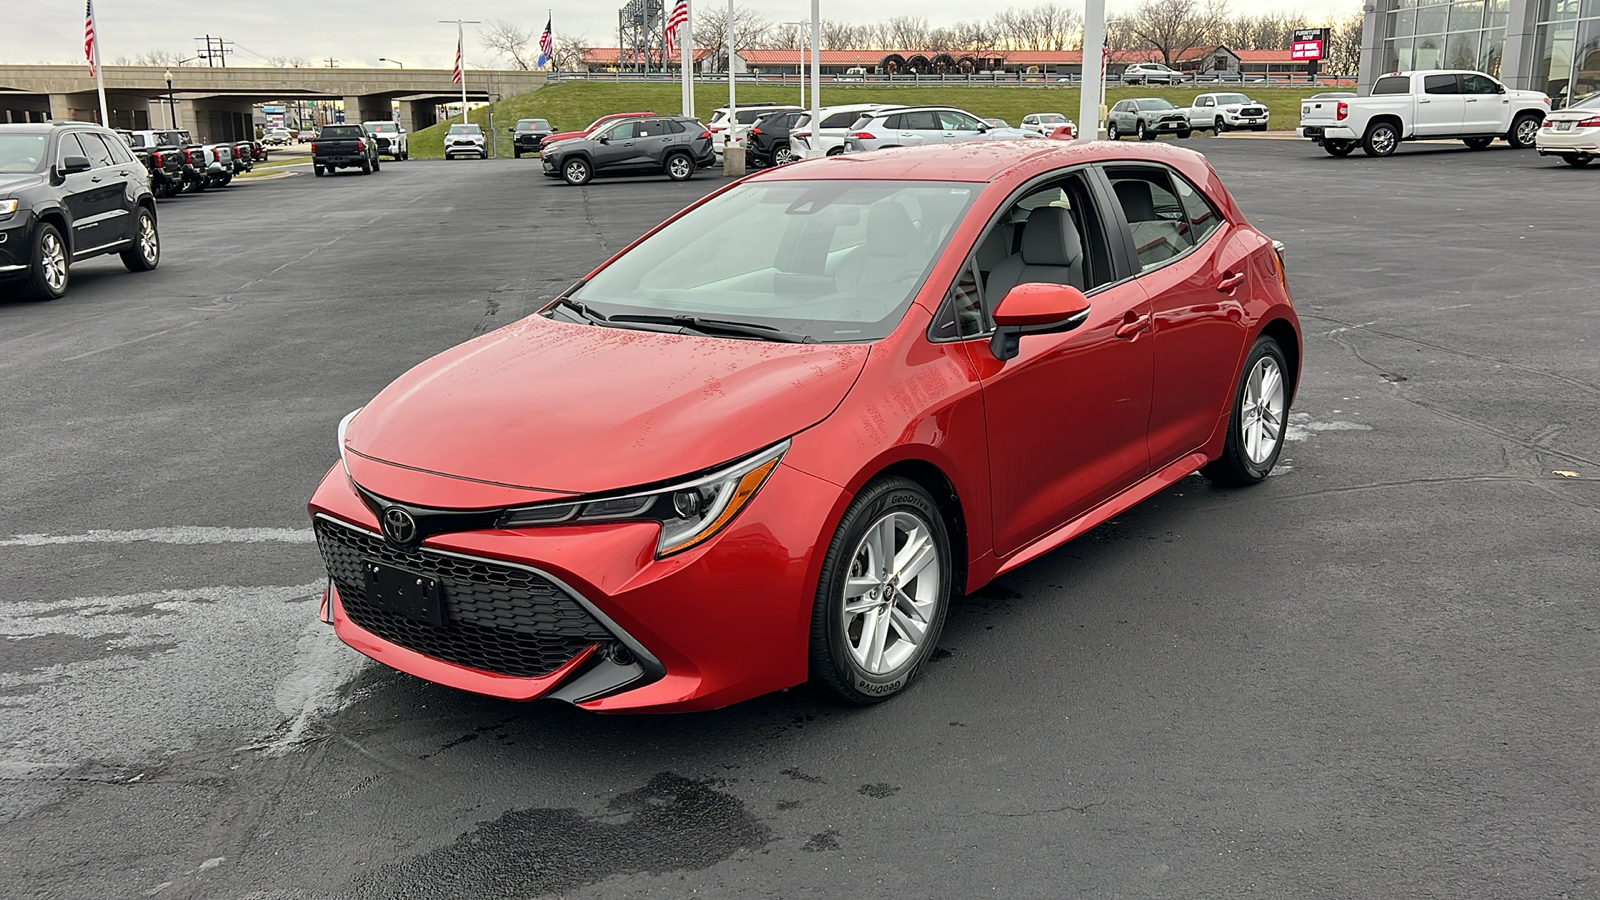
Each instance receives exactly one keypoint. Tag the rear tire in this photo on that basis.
(1524, 131)
(1381, 140)
(318, 171)
(1338, 148)
(782, 155)
(1259, 421)
(145, 254)
(1577, 159)
(680, 167)
(862, 602)
(366, 167)
(49, 272)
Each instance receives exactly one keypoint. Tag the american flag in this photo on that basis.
(89, 50)
(547, 45)
(680, 15)
(455, 77)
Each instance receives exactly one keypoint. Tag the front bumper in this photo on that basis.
(724, 622)
(457, 149)
(16, 243)
(1166, 125)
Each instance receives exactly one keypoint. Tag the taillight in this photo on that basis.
(1547, 123)
(705, 135)
(361, 145)
(1591, 122)
(863, 135)
(800, 134)
(755, 131)
(313, 146)
(156, 158)
(1343, 112)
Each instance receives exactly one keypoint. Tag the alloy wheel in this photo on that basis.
(1261, 418)
(782, 156)
(53, 260)
(149, 244)
(576, 172)
(679, 168)
(1383, 141)
(891, 595)
(1527, 131)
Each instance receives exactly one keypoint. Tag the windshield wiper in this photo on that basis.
(716, 327)
(587, 314)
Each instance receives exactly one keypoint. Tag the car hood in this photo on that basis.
(580, 408)
(12, 183)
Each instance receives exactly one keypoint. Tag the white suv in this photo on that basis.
(1046, 123)
(913, 126)
(465, 140)
(809, 143)
(1150, 73)
(739, 122)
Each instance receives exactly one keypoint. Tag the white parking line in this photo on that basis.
(183, 534)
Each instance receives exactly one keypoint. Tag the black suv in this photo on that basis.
(69, 191)
(672, 145)
(528, 135)
(767, 142)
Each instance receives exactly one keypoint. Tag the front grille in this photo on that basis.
(1252, 111)
(498, 618)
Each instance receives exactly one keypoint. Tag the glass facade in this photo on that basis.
(1427, 34)
(1566, 56)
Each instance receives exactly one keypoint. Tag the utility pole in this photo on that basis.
(332, 63)
(216, 48)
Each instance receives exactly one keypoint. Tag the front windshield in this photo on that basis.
(384, 127)
(836, 261)
(1051, 119)
(1225, 99)
(23, 154)
(1155, 103)
(465, 129)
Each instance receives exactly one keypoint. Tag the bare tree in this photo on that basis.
(1344, 45)
(907, 33)
(750, 29)
(1171, 28)
(567, 52)
(511, 42)
(844, 36)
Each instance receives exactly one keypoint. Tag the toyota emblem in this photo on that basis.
(398, 526)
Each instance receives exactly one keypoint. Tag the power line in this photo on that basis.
(215, 48)
(332, 63)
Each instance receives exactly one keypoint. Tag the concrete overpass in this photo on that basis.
(215, 104)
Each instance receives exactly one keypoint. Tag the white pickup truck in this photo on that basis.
(1432, 104)
(1217, 113)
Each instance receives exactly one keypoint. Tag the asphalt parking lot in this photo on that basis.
(1374, 675)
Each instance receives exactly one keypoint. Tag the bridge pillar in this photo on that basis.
(24, 108)
(419, 114)
(215, 119)
(368, 108)
(127, 110)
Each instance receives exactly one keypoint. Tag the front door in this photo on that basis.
(616, 151)
(1067, 417)
(1486, 110)
(1440, 107)
(958, 126)
(89, 197)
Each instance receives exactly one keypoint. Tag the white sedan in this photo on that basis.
(1572, 133)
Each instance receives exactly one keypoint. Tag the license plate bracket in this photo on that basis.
(412, 595)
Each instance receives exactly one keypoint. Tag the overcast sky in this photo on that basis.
(358, 33)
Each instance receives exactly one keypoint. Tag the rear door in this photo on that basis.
(1441, 108)
(919, 127)
(654, 137)
(126, 180)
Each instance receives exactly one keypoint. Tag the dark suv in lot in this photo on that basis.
(528, 135)
(69, 191)
(675, 146)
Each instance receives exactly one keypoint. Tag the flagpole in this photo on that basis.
(100, 80)
(687, 38)
(461, 54)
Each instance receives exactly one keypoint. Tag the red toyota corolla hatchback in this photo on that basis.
(775, 438)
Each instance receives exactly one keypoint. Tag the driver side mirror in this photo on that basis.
(71, 165)
(1499, 89)
(603, 139)
(1035, 309)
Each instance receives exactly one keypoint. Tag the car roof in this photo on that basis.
(46, 127)
(978, 161)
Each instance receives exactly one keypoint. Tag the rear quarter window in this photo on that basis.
(1394, 84)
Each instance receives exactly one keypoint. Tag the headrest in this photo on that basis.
(1050, 238)
(1138, 204)
(890, 231)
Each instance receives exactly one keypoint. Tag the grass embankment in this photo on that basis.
(573, 105)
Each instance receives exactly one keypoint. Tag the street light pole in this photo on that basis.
(395, 61)
(172, 108)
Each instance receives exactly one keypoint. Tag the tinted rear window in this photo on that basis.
(1394, 84)
(342, 131)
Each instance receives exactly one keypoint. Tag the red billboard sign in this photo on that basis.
(1309, 44)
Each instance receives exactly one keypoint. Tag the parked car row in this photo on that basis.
(70, 191)
(176, 163)
(1428, 104)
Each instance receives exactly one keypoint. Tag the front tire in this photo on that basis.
(1477, 143)
(1381, 140)
(883, 594)
(1218, 127)
(1182, 135)
(1260, 418)
(145, 254)
(576, 172)
(1524, 131)
(49, 272)
(1143, 132)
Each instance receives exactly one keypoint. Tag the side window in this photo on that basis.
(1207, 101)
(118, 150)
(962, 316)
(954, 121)
(1203, 217)
(1393, 84)
(1478, 84)
(70, 146)
(841, 120)
(892, 123)
(919, 121)
(622, 132)
(1441, 84)
(1155, 215)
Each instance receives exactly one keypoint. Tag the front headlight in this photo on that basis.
(344, 425)
(690, 513)
(7, 207)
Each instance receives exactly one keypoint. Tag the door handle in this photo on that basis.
(95, 179)
(1424, 101)
(1132, 325)
(1229, 282)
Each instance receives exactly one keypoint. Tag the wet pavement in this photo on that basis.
(1373, 675)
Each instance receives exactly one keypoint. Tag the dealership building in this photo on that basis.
(1543, 45)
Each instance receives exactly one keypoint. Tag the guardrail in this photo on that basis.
(1013, 79)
